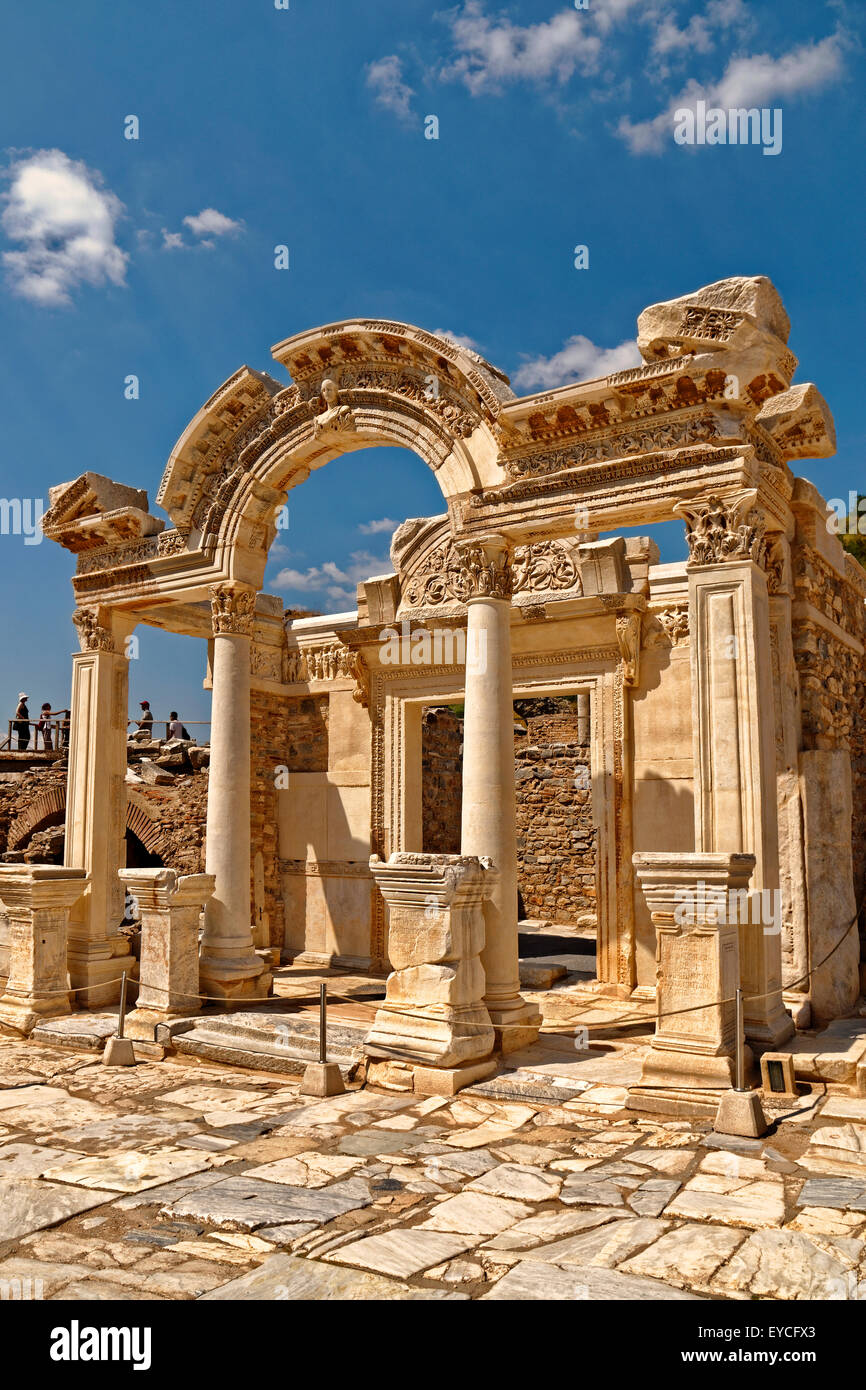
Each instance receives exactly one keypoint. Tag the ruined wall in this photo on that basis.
(29, 800)
(556, 852)
(441, 780)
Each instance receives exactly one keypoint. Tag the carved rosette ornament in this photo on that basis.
(232, 610)
(91, 636)
(724, 528)
(485, 568)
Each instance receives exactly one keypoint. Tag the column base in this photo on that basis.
(96, 975)
(23, 1014)
(680, 1082)
(245, 977)
(516, 1024)
(428, 1039)
(141, 1024)
(425, 1080)
(767, 1035)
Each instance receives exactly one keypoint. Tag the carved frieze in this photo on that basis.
(614, 444)
(628, 631)
(668, 626)
(545, 567)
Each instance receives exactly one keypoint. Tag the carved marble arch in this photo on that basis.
(355, 385)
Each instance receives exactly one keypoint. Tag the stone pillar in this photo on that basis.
(96, 803)
(734, 731)
(37, 898)
(489, 818)
(692, 1058)
(230, 967)
(434, 1021)
(170, 906)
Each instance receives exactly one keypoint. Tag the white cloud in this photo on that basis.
(385, 80)
(491, 52)
(698, 34)
(172, 241)
(337, 584)
(211, 223)
(458, 339)
(758, 81)
(64, 219)
(578, 360)
(376, 528)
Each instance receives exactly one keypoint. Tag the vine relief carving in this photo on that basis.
(546, 567)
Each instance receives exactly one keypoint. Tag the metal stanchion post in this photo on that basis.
(322, 1078)
(118, 1050)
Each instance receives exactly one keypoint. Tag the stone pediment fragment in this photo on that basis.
(800, 422)
(94, 511)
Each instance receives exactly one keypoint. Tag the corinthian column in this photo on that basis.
(229, 966)
(96, 805)
(489, 822)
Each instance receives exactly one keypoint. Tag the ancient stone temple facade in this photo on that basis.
(721, 696)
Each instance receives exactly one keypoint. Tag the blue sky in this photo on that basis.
(304, 126)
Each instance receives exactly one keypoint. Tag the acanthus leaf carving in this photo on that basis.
(232, 610)
(722, 528)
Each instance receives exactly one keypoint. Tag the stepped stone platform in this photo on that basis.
(278, 1041)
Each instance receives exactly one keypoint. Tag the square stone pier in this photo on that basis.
(434, 1026)
(692, 1058)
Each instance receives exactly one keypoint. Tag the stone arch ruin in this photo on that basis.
(693, 750)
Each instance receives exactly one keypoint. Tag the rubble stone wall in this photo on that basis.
(556, 851)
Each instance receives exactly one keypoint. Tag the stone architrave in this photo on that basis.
(489, 813)
(434, 1015)
(37, 898)
(170, 905)
(734, 728)
(230, 967)
(96, 803)
(693, 1052)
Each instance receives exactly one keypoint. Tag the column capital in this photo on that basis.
(729, 528)
(485, 567)
(93, 636)
(232, 609)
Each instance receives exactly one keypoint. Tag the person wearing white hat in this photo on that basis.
(22, 722)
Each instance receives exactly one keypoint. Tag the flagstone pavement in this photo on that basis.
(184, 1180)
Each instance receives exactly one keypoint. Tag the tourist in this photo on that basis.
(145, 723)
(44, 728)
(175, 728)
(21, 725)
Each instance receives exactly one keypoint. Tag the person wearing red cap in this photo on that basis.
(146, 720)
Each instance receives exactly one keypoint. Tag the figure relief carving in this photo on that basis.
(232, 609)
(91, 636)
(332, 418)
(719, 529)
(266, 662)
(331, 661)
(485, 568)
(628, 630)
(778, 565)
(675, 623)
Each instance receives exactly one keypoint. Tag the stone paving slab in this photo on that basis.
(27, 1205)
(288, 1278)
(550, 1282)
(244, 1204)
(403, 1253)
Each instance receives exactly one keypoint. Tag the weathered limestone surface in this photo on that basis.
(170, 906)
(37, 900)
(434, 1012)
